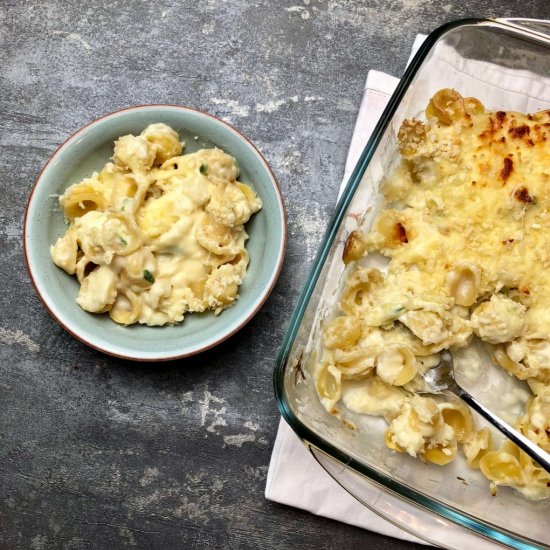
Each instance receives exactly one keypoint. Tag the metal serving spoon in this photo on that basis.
(442, 378)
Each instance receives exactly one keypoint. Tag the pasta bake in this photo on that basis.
(157, 233)
(464, 234)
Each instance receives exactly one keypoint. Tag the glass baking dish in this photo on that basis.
(505, 64)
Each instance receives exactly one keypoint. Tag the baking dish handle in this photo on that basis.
(539, 28)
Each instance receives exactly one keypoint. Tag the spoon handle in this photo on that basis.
(524, 443)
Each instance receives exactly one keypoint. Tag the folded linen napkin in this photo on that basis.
(294, 477)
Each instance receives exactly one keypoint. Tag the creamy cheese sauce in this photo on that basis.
(156, 234)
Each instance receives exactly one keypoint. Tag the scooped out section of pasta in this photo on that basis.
(465, 233)
(156, 233)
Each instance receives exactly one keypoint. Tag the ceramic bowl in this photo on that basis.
(87, 151)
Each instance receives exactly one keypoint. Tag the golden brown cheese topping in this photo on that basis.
(466, 231)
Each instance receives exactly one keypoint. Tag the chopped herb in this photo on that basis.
(398, 311)
(123, 241)
(126, 202)
(148, 276)
(203, 169)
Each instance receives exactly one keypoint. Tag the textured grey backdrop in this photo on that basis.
(97, 452)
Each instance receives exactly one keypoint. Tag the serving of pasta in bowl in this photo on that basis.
(155, 232)
(438, 245)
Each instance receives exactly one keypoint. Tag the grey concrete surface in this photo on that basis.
(97, 452)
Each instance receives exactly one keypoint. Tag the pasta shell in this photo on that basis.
(80, 199)
(463, 283)
(328, 383)
(342, 332)
(396, 365)
(216, 237)
(441, 454)
(501, 467)
(458, 416)
(446, 105)
(477, 446)
(127, 308)
(165, 140)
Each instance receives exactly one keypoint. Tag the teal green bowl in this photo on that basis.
(87, 151)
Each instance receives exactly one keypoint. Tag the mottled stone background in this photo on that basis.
(97, 452)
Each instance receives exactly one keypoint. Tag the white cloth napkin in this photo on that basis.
(294, 477)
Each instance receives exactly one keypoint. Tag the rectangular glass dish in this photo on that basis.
(506, 65)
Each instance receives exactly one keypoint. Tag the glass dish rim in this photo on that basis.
(397, 488)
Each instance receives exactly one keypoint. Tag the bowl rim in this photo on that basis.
(259, 302)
